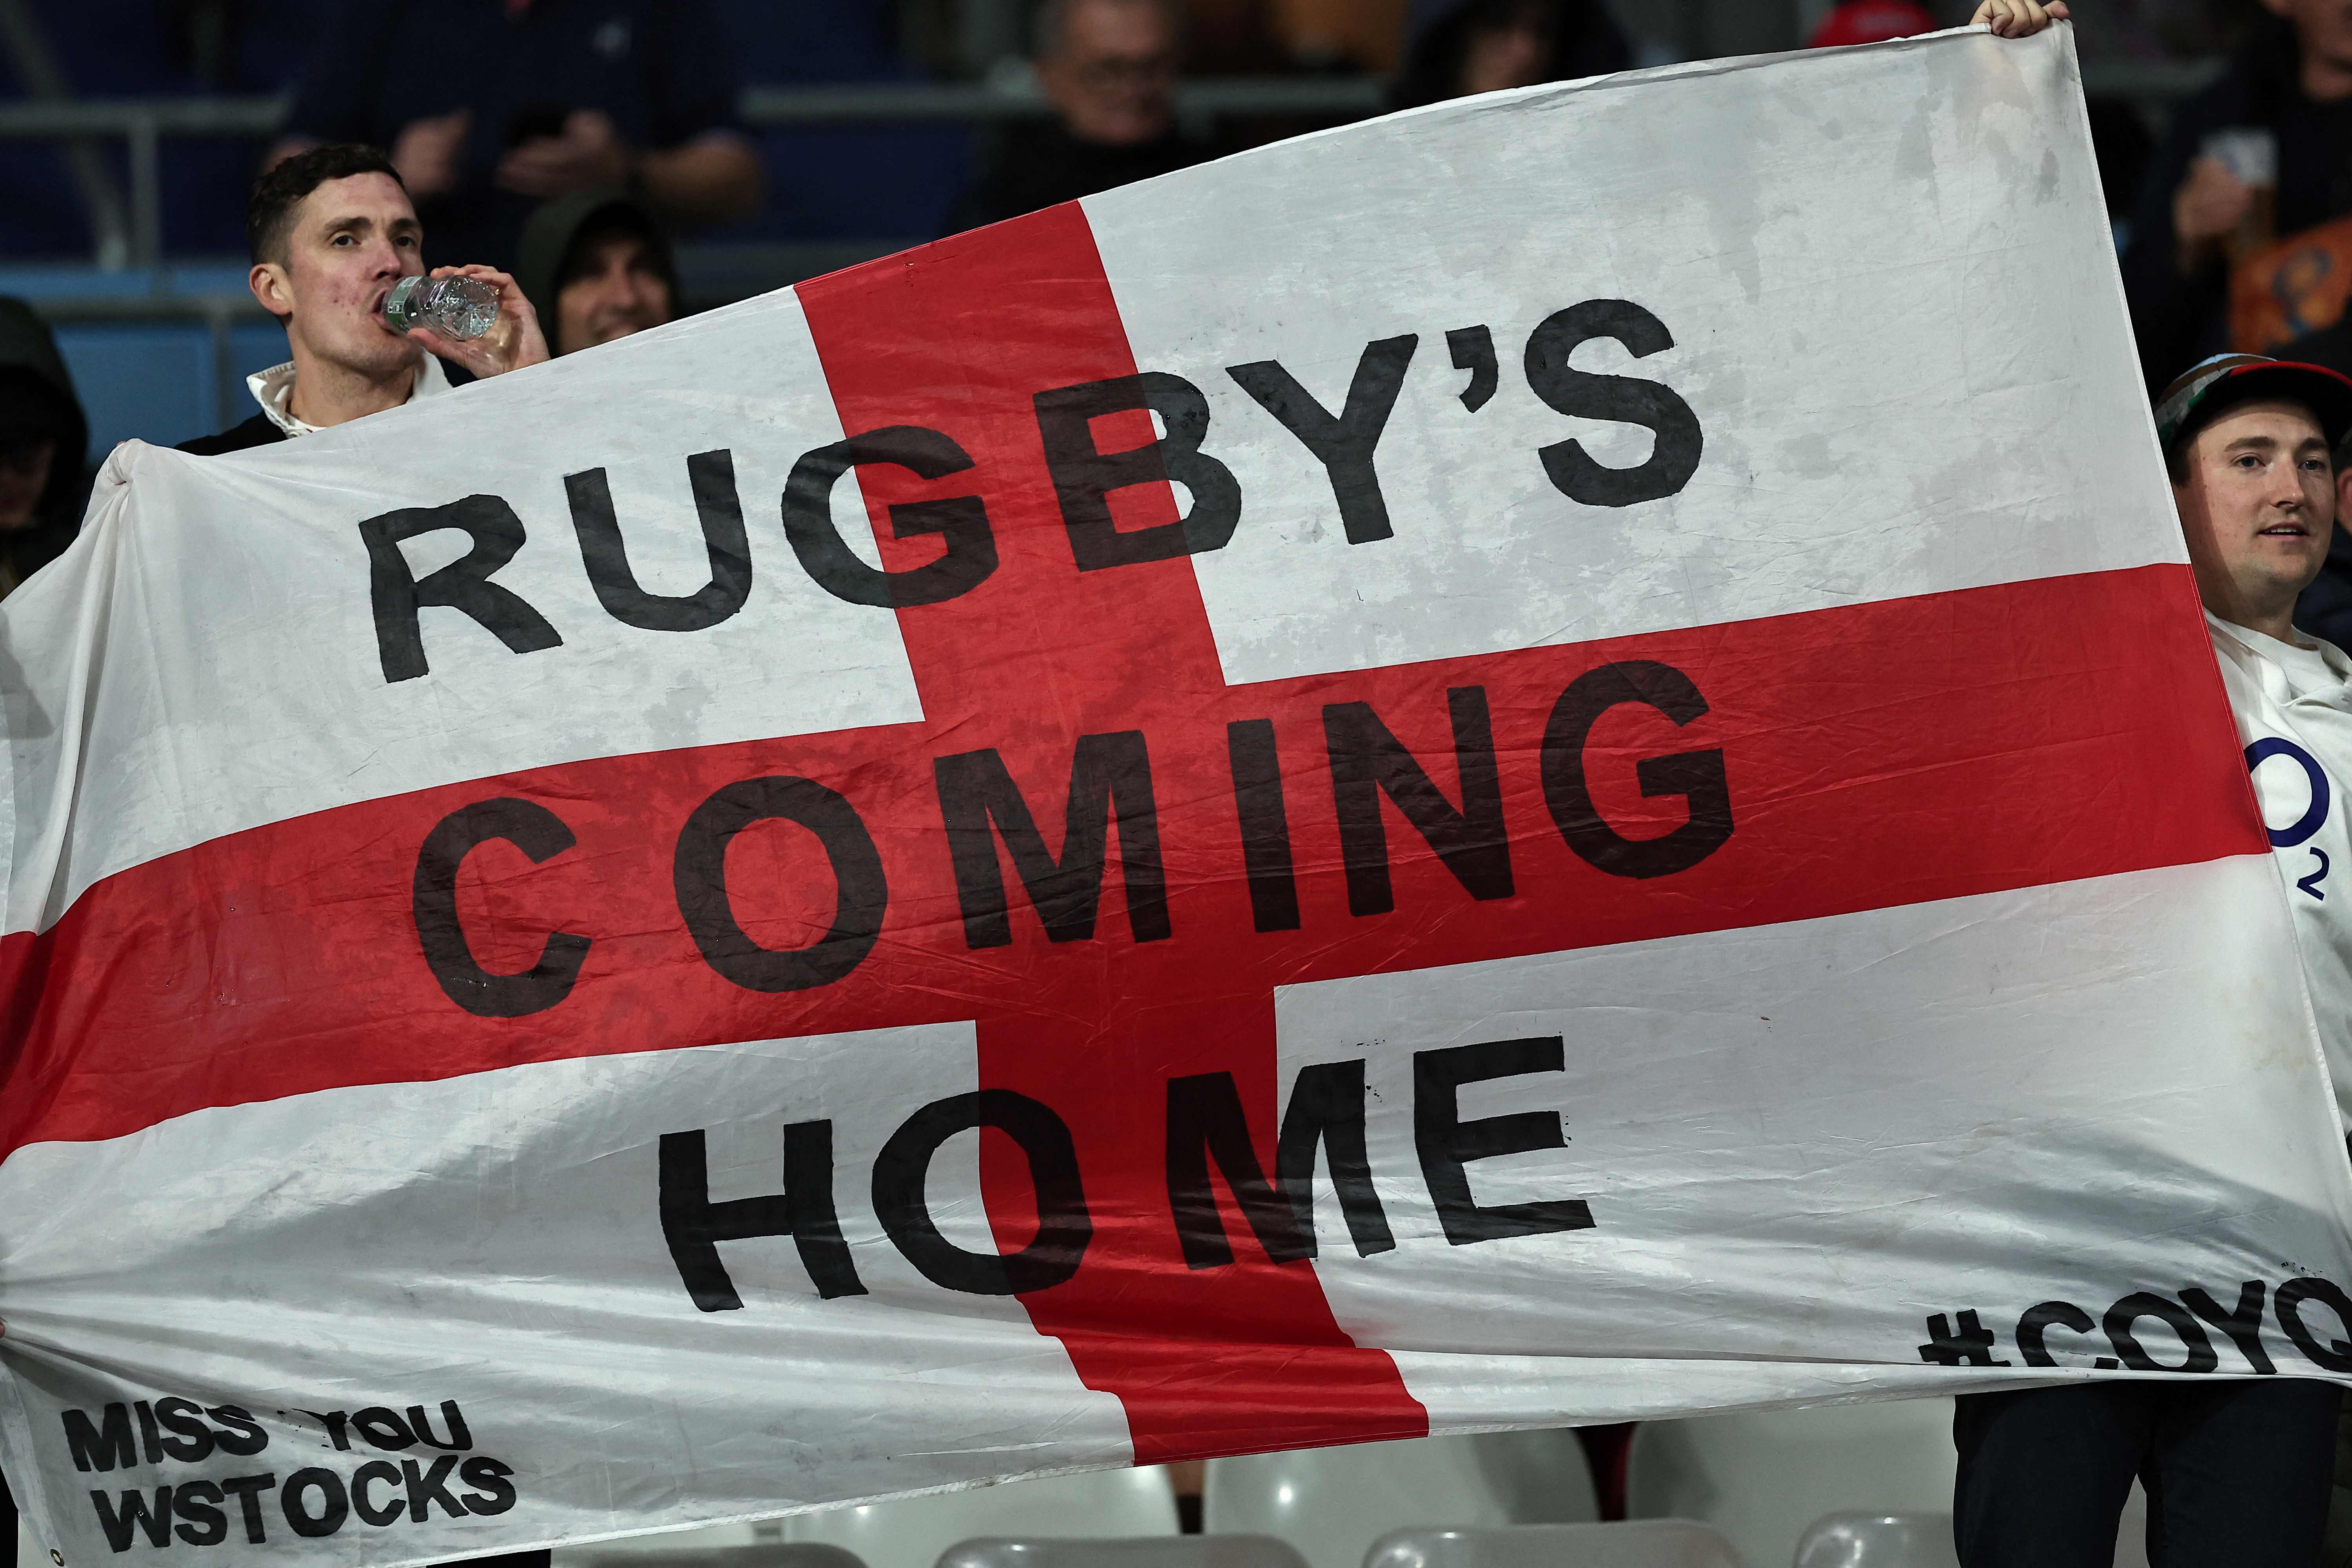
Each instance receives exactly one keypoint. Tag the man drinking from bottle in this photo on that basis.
(331, 232)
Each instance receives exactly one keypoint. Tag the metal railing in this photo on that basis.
(143, 124)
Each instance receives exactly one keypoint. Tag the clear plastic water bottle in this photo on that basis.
(453, 306)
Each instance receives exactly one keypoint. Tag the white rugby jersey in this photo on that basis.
(2294, 707)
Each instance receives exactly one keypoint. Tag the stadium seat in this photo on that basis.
(672, 1554)
(914, 1532)
(1643, 1543)
(1333, 1503)
(1762, 1477)
(1879, 1541)
(1165, 1551)
(701, 1545)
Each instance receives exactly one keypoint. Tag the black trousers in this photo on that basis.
(2237, 1472)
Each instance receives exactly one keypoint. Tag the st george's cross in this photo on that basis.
(1266, 810)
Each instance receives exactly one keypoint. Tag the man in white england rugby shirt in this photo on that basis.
(2238, 1470)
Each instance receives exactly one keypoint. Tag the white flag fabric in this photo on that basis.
(1549, 759)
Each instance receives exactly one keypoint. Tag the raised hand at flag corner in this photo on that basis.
(2019, 18)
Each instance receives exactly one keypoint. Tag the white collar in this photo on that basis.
(274, 390)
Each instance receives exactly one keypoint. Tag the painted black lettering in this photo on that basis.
(1446, 1143)
(2334, 1356)
(2244, 1326)
(1111, 782)
(1473, 349)
(451, 1418)
(2124, 1316)
(333, 1508)
(201, 1522)
(1265, 824)
(693, 1225)
(399, 595)
(1327, 1108)
(1343, 443)
(861, 890)
(382, 1472)
(1368, 761)
(1085, 475)
(962, 522)
(1205, 1123)
(539, 833)
(133, 1517)
(383, 1428)
(248, 1491)
(243, 1435)
(428, 1485)
(1625, 400)
(185, 1435)
(711, 478)
(1697, 776)
(493, 1492)
(1064, 1226)
(2038, 1322)
(103, 1447)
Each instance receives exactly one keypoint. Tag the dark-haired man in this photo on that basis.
(596, 266)
(2236, 1470)
(330, 232)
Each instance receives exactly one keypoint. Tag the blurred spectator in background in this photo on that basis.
(43, 441)
(1108, 67)
(2264, 153)
(330, 231)
(596, 266)
(1871, 22)
(491, 107)
(1485, 46)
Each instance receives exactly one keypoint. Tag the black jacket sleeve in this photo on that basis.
(2178, 319)
(256, 431)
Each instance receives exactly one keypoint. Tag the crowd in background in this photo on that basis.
(570, 142)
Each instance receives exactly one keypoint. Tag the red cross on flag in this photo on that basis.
(1551, 759)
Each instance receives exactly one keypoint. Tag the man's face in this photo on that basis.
(24, 475)
(1113, 80)
(2324, 27)
(613, 290)
(351, 240)
(1516, 54)
(2257, 504)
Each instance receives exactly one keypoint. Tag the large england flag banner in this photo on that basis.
(1551, 759)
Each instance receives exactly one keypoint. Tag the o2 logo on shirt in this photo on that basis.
(2313, 815)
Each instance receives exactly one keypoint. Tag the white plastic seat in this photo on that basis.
(1762, 1477)
(1879, 1541)
(1641, 1543)
(759, 1554)
(637, 1550)
(1162, 1552)
(1333, 1503)
(913, 1532)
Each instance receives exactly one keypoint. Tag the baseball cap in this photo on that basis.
(2215, 386)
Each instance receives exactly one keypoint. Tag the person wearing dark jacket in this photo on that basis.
(1109, 69)
(596, 266)
(2291, 77)
(42, 438)
(1485, 46)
